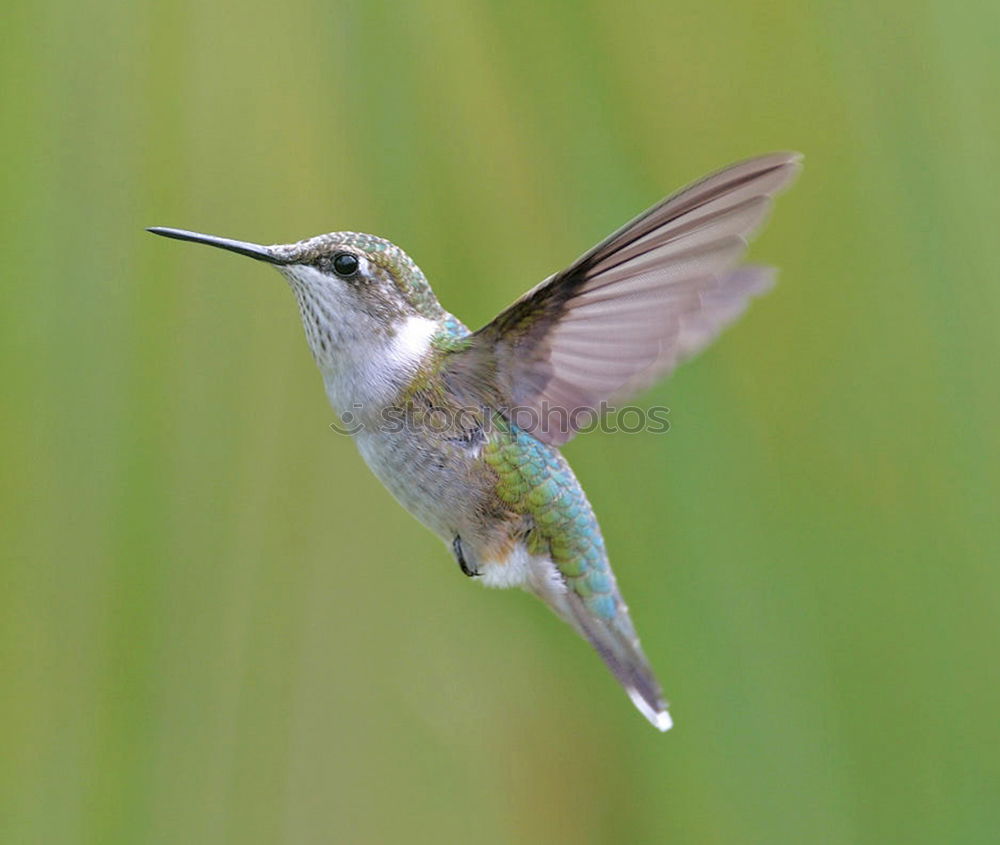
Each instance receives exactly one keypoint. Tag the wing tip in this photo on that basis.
(792, 163)
(779, 158)
(750, 280)
(787, 163)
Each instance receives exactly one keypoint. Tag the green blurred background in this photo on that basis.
(217, 626)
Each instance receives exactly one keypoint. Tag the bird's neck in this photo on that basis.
(369, 370)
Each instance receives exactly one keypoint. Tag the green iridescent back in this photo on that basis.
(536, 479)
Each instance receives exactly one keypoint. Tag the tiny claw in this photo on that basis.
(456, 547)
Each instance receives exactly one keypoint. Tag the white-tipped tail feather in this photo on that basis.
(659, 719)
(613, 639)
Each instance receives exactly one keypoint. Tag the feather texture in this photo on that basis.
(629, 310)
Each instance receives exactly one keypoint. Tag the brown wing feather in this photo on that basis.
(627, 311)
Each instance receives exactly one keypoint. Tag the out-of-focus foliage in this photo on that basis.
(216, 625)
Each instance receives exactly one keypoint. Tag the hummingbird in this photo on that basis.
(464, 427)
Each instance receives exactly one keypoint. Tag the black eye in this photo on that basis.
(345, 264)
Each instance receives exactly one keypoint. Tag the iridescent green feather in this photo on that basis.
(536, 480)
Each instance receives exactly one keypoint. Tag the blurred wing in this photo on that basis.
(626, 312)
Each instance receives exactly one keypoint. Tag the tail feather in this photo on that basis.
(619, 648)
(614, 638)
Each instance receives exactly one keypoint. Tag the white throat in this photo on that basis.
(364, 362)
(370, 373)
(412, 342)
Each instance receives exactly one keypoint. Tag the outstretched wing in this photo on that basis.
(629, 310)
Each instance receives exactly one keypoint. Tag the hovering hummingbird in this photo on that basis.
(463, 427)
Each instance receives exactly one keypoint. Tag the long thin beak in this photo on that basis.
(261, 253)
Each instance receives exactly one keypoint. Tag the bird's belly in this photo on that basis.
(435, 480)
